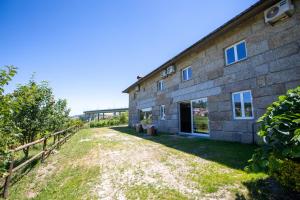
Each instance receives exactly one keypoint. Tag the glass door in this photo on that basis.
(200, 123)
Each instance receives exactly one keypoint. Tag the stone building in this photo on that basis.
(223, 83)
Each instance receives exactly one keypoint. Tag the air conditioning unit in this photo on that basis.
(281, 10)
(164, 74)
(171, 69)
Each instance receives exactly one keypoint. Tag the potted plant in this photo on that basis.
(148, 125)
(139, 128)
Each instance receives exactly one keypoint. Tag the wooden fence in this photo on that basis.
(58, 139)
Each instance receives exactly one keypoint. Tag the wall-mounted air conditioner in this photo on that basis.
(171, 69)
(281, 10)
(164, 74)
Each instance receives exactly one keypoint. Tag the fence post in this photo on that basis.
(58, 141)
(54, 139)
(44, 149)
(8, 178)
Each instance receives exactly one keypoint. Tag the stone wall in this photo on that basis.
(271, 68)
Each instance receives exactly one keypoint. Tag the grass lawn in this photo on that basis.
(117, 163)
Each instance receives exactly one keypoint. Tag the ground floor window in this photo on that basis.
(162, 112)
(146, 114)
(242, 105)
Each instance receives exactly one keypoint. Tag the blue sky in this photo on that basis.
(90, 50)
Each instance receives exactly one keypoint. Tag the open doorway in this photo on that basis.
(185, 117)
(194, 117)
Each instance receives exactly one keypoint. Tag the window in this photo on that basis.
(146, 114)
(160, 85)
(242, 105)
(236, 52)
(187, 74)
(162, 112)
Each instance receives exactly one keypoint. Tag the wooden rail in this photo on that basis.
(42, 154)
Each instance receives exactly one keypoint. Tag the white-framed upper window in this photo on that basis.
(242, 105)
(160, 85)
(236, 52)
(162, 112)
(187, 73)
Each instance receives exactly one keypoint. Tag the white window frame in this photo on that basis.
(160, 85)
(187, 69)
(242, 105)
(235, 52)
(162, 112)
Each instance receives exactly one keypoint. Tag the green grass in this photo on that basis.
(144, 192)
(69, 179)
(213, 166)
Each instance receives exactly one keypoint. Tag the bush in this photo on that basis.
(118, 120)
(285, 171)
(279, 156)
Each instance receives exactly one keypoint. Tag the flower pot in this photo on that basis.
(151, 131)
(138, 128)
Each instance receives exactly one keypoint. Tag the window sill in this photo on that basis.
(243, 118)
(244, 59)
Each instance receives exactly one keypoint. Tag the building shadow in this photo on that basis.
(232, 154)
(268, 188)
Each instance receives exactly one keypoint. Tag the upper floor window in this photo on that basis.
(162, 112)
(187, 74)
(160, 85)
(236, 52)
(242, 105)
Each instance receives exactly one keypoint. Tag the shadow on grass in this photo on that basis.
(231, 154)
(267, 189)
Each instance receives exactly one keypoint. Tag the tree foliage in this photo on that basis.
(6, 125)
(280, 129)
(59, 117)
(27, 113)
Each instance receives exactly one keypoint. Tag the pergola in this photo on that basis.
(92, 114)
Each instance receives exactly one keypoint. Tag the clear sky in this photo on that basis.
(91, 50)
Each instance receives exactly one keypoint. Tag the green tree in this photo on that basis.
(60, 116)
(6, 125)
(34, 102)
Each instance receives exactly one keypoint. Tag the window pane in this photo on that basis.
(241, 50)
(162, 112)
(230, 55)
(247, 104)
(200, 116)
(237, 105)
(160, 85)
(189, 73)
(184, 75)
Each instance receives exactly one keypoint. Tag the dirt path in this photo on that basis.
(129, 163)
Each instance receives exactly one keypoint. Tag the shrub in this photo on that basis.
(124, 118)
(280, 129)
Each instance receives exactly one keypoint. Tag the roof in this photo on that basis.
(106, 110)
(234, 22)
